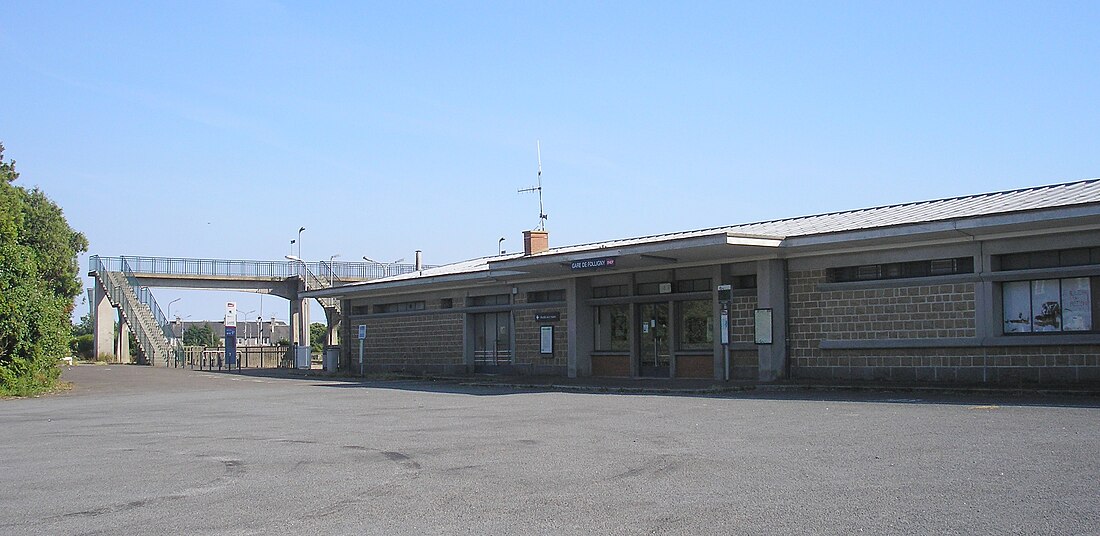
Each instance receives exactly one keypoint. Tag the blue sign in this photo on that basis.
(593, 264)
(230, 345)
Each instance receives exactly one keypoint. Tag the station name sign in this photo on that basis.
(547, 317)
(593, 264)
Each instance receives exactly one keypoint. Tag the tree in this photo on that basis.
(38, 281)
(200, 336)
(84, 327)
(318, 336)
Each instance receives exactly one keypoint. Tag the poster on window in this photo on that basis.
(1076, 304)
(1017, 306)
(1046, 306)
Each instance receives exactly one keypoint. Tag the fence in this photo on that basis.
(248, 357)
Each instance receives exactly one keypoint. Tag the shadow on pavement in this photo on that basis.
(492, 385)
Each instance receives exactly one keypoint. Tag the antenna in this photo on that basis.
(542, 214)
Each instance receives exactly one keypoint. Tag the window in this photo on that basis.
(1049, 259)
(649, 288)
(695, 323)
(542, 296)
(610, 291)
(693, 285)
(612, 329)
(901, 270)
(446, 303)
(743, 281)
(402, 307)
(360, 309)
(1048, 305)
(492, 299)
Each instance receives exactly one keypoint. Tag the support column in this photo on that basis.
(771, 293)
(103, 323)
(578, 327)
(299, 317)
(332, 318)
(122, 344)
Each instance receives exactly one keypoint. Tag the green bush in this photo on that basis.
(38, 281)
(83, 346)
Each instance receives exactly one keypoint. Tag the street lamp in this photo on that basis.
(500, 246)
(385, 266)
(295, 259)
(169, 313)
(245, 317)
(331, 272)
(300, 241)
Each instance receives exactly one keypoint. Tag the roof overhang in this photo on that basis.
(644, 254)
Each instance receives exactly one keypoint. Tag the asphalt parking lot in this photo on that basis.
(135, 450)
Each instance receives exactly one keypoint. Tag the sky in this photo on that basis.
(217, 130)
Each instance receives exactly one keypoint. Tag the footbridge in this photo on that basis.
(122, 292)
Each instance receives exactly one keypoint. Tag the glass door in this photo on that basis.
(492, 341)
(654, 352)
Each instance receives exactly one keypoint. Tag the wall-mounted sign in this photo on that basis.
(593, 264)
(547, 317)
(664, 288)
(546, 340)
(763, 320)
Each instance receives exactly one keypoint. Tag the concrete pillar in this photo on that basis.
(296, 306)
(122, 344)
(579, 325)
(332, 318)
(771, 293)
(103, 323)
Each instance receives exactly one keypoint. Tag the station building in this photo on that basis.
(998, 288)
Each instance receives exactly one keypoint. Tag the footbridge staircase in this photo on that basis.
(122, 291)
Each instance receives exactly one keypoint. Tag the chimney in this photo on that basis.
(535, 242)
(419, 261)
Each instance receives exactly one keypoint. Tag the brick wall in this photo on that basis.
(932, 311)
(741, 319)
(414, 343)
(529, 338)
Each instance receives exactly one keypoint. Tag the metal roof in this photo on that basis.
(955, 208)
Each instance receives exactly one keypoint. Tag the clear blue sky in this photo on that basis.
(218, 129)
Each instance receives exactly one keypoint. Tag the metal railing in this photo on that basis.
(330, 272)
(146, 298)
(118, 296)
(248, 357)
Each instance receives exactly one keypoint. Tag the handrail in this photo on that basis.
(118, 296)
(145, 296)
(339, 270)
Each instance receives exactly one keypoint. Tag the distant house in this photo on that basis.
(249, 333)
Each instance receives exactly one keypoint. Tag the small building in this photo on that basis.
(997, 288)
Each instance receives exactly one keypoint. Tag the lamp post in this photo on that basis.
(500, 246)
(300, 242)
(245, 316)
(331, 272)
(168, 315)
(295, 259)
(385, 266)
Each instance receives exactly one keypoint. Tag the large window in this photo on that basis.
(695, 322)
(1048, 305)
(612, 328)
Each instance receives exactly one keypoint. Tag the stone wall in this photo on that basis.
(920, 313)
(428, 342)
